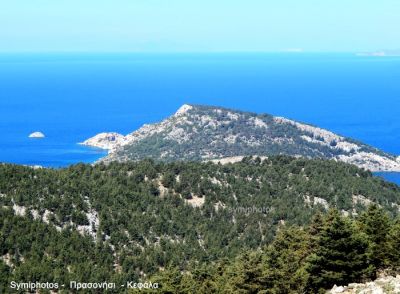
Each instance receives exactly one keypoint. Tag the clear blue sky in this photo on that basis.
(199, 25)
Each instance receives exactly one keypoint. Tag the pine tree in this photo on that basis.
(394, 245)
(284, 261)
(375, 223)
(4, 275)
(169, 280)
(340, 256)
(246, 274)
(200, 280)
(314, 231)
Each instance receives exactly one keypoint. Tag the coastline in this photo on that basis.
(393, 177)
(349, 117)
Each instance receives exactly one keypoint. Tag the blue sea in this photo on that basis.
(71, 97)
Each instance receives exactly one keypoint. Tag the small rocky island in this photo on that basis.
(37, 135)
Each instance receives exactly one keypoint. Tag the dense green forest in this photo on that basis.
(333, 249)
(187, 225)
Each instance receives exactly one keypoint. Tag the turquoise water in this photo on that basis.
(73, 97)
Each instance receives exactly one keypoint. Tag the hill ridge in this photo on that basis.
(202, 132)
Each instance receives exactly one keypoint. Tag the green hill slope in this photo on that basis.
(131, 219)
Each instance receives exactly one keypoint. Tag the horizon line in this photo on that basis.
(182, 52)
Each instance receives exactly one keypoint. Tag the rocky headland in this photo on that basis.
(202, 133)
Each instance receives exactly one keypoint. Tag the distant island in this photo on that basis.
(37, 135)
(202, 133)
(381, 53)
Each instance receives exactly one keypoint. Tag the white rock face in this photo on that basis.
(93, 226)
(360, 199)
(383, 285)
(371, 161)
(328, 137)
(233, 159)
(316, 201)
(179, 135)
(19, 210)
(196, 201)
(337, 289)
(37, 135)
(367, 160)
(106, 141)
(183, 109)
(259, 123)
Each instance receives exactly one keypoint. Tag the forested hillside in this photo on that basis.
(332, 250)
(142, 220)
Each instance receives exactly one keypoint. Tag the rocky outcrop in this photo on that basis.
(106, 141)
(207, 133)
(383, 285)
(37, 135)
